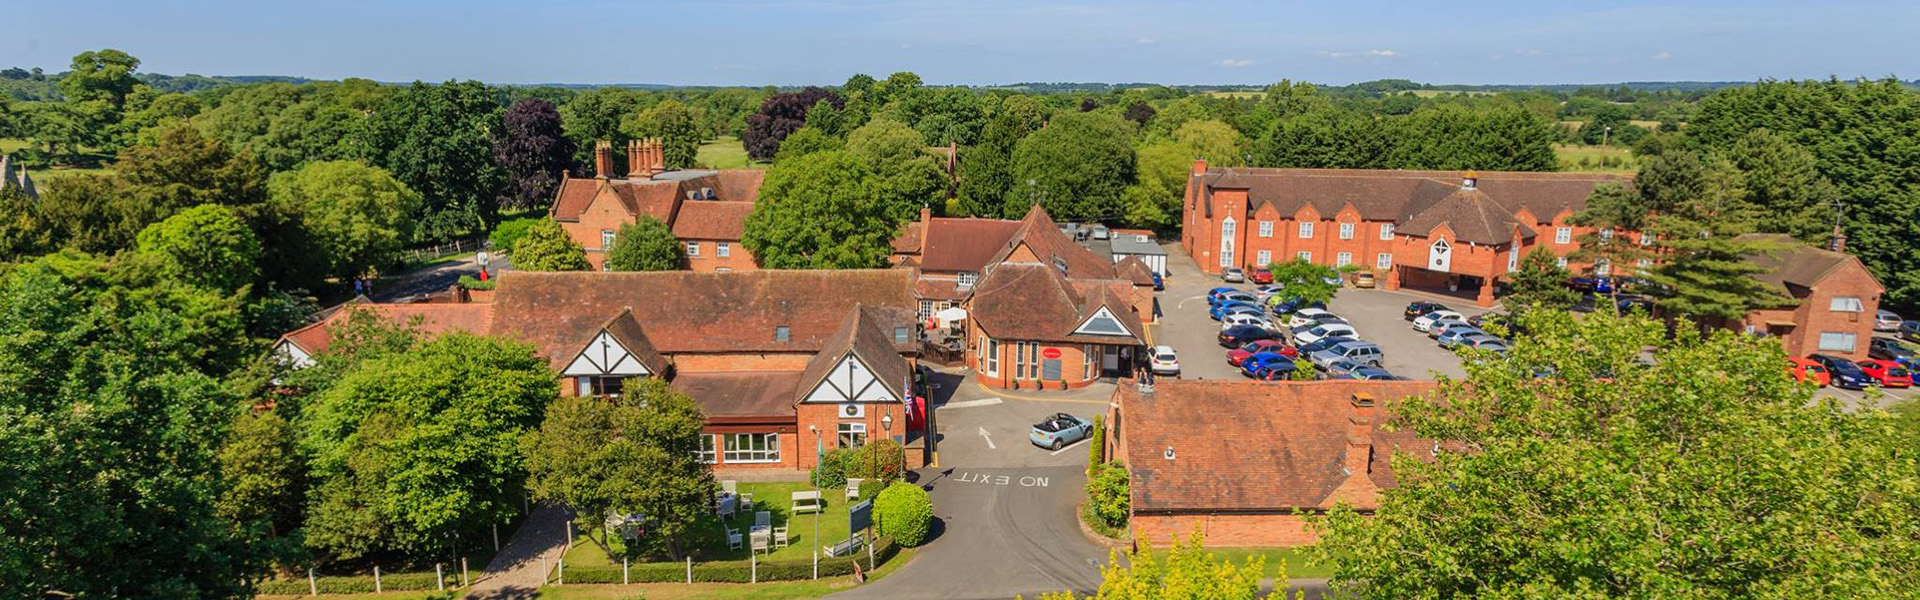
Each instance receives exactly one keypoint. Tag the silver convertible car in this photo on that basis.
(1059, 430)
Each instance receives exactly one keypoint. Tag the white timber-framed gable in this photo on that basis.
(1103, 323)
(851, 380)
(606, 356)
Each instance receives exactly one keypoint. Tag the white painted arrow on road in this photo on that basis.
(988, 438)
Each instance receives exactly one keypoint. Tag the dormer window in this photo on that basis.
(1060, 264)
(782, 333)
(967, 278)
(899, 335)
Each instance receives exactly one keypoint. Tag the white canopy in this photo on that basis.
(950, 316)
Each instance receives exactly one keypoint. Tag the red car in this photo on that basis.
(1888, 373)
(1260, 275)
(1238, 355)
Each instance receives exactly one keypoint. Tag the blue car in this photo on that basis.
(1288, 306)
(1843, 373)
(1258, 365)
(1220, 310)
(1213, 295)
(1059, 430)
(1233, 296)
(1159, 285)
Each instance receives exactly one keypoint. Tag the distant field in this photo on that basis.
(726, 153)
(1236, 94)
(1433, 93)
(1600, 159)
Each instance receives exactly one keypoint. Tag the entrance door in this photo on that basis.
(1109, 358)
(1440, 256)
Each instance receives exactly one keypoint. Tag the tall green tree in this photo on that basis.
(434, 139)
(263, 476)
(636, 453)
(1305, 281)
(1782, 180)
(547, 247)
(358, 215)
(1613, 211)
(677, 125)
(206, 246)
(908, 177)
(824, 210)
(1707, 472)
(1540, 283)
(1077, 166)
(1186, 572)
(101, 75)
(986, 168)
(645, 245)
(1701, 211)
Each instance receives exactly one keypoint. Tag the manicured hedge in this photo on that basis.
(736, 571)
(905, 513)
(358, 584)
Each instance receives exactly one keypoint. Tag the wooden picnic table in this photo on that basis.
(807, 502)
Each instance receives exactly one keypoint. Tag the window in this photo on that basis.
(1834, 341)
(1606, 234)
(1343, 259)
(926, 310)
(1563, 235)
(1383, 261)
(1265, 258)
(899, 335)
(693, 248)
(1266, 229)
(853, 435)
(1226, 242)
(782, 333)
(1346, 231)
(1645, 262)
(606, 239)
(705, 452)
(967, 278)
(1513, 259)
(722, 249)
(600, 385)
(1560, 262)
(993, 356)
(1304, 255)
(752, 447)
(1306, 230)
(1646, 239)
(1086, 362)
(1601, 268)
(1020, 360)
(1386, 231)
(1845, 304)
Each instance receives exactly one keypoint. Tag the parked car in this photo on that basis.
(1309, 349)
(1224, 308)
(1363, 279)
(1233, 275)
(1269, 366)
(1333, 280)
(1307, 335)
(1100, 232)
(1232, 296)
(1361, 353)
(1427, 321)
(1591, 285)
(1278, 371)
(1889, 349)
(1485, 342)
(1215, 293)
(1887, 373)
(1885, 320)
(1234, 318)
(1421, 307)
(1159, 284)
(1281, 307)
(1338, 368)
(1910, 330)
(1455, 334)
(1261, 275)
(1627, 304)
(1442, 327)
(1370, 374)
(1242, 335)
(1165, 361)
(1842, 373)
(1483, 320)
(1059, 430)
(1807, 370)
(1307, 315)
(1239, 355)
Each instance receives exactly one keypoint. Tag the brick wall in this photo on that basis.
(602, 215)
(737, 258)
(1007, 376)
(1225, 531)
(1815, 316)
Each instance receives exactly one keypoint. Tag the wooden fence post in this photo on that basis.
(313, 588)
(376, 579)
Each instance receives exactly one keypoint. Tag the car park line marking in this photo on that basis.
(1068, 446)
(1002, 480)
(988, 438)
(972, 403)
(1183, 301)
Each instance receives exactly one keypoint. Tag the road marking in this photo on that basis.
(1003, 480)
(1183, 301)
(1069, 446)
(988, 438)
(973, 403)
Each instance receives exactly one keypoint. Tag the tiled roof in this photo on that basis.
(1394, 195)
(864, 335)
(954, 245)
(711, 220)
(428, 318)
(740, 393)
(939, 289)
(626, 330)
(689, 312)
(1471, 215)
(1030, 302)
(1043, 237)
(659, 197)
(908, 240)
(1797, 267)
(1133, 269)
(1255, 446)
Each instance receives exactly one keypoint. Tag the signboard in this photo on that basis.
(860, 517)
(1050, 353)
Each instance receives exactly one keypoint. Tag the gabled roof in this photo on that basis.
(1302, 430)
(1471, 215)
(689, 312)
(1031, 302)
(1039, 234)
(711, 220)
(661, 197)
(863, 336)
(1797, 267)
(1133, 269)
(626, 330)
(725, 395)
(1392, 195)
(954, 245)
(428, 318)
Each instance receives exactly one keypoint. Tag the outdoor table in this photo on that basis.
(806, 502)
(762, 538)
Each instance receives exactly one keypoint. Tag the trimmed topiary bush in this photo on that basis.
(1108, 494)
(905, 512)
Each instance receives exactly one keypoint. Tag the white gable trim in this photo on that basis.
(293, 355)
(1103, 312)
(605, 356)
(850, 381)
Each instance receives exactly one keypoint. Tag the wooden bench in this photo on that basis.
(808, 502)
(844, 548)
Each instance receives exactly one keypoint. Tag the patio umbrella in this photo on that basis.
(950, 316)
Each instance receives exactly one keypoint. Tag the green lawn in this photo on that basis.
(776, 499)
(1581, 157)
(1295, 560)
(720, 591)
(726, 153)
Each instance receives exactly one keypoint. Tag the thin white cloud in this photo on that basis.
(1235, 63)
(1662, 56)
(1146, 41)
(1376, 53)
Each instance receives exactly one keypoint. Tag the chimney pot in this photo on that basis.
(659, 156)
(1471, 180)
(1199, 166)
(602, 159)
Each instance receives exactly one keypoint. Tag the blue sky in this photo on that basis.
(788, 42)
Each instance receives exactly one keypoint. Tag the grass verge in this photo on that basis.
(1295, 560)
(720, 591)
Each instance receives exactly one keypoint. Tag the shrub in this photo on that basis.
(1097, 442)
(880, 460)
(735, 571)
(1108, 494)
(905, 512)
(508, 232)
(468, 282)
(831, 473)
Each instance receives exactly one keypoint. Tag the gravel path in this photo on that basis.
(520, 568)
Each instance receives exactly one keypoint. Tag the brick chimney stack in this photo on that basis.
(659, 156)
(1359, 455)
(636, 163)
(1839, 243)
(602, 159)
(1199, 166)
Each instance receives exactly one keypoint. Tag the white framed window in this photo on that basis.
(1563, 235)
(1846, 304)
(722, 249)
(1561, 262)
(1304, 255)
(1343, 259)
(1346, 231)
(852, 435)
(693, 248)
(1383, 261)
(1835, 341)
(1513, 259)
(1266, 229)
(706, 451)
(967, 278)
(606, 239)
(1306, 230)
(993, 355)
(1646, 239)
(752, 447)
(601, 385)
(1020, 359)
(1601, 268)
(1265, 257)
(1606, 234)
(1386, 231)
(1644, 262)
(1226, 242)
(926, 310)
(1086, 362)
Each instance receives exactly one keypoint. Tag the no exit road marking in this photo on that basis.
(1002, 480)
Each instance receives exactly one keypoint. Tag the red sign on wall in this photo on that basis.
(1050, 353)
